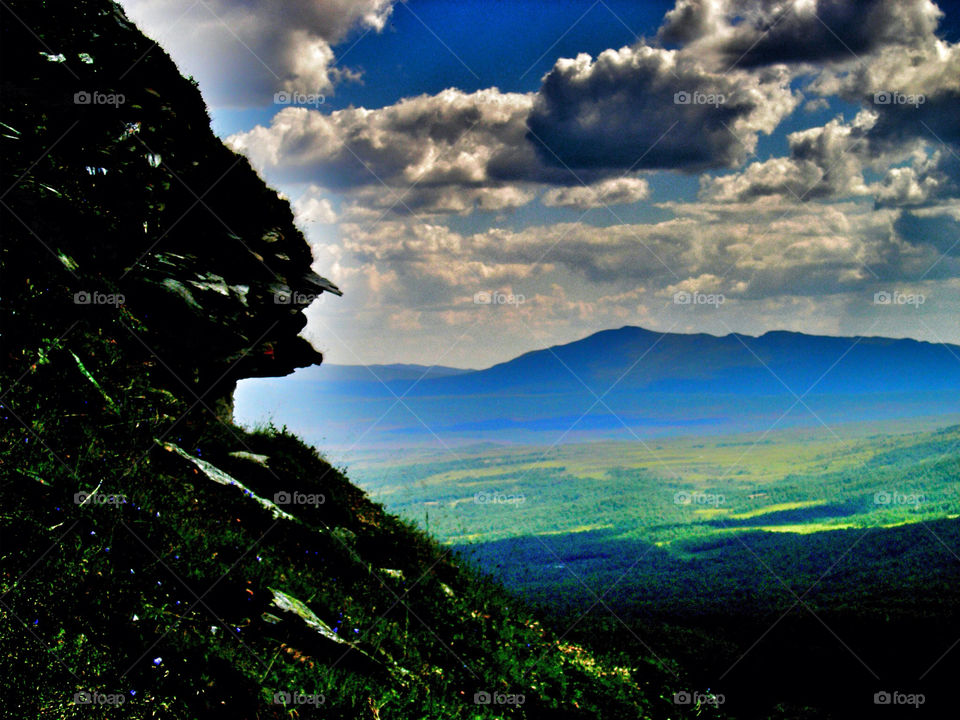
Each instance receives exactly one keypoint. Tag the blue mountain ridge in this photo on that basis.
(627, 378)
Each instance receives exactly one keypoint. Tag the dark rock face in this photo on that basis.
(118, 193)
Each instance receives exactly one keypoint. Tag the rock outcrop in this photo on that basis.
(117, 192)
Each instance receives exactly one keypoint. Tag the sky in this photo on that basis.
(483, 178)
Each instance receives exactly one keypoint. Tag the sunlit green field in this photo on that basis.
(665, 491)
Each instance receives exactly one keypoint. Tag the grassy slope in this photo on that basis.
(191, 598)
(182, 571)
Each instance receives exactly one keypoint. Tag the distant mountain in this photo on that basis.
(774, 363)
(629, 381)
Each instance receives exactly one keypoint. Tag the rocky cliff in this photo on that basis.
(157, 560)
(118, 189)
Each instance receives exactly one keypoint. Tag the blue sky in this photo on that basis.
(421, 49)
(543, 150)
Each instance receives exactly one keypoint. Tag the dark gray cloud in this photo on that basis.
(643, 107)
(914, 93)
(751, 33)
(449, 153)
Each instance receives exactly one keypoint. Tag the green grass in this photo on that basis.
(799, 481)
(122, 587)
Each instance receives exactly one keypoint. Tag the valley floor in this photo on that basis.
(798, 573)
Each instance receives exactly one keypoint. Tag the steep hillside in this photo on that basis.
(158, 561)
